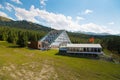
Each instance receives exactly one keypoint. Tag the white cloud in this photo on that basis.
(42, 3)
(8, 6)
(5, 15)
(80, 18)
(111, 23)
(58, 21)
(91, 27)
(88, 11)
(17, 1)
(23, 14)
(1, 7)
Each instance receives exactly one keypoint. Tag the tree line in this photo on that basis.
(82, 38)
(112, 43)
(20, 37)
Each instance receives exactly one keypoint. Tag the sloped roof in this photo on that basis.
(52, 36)
(85, 45)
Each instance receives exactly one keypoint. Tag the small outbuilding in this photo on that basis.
(38, 45)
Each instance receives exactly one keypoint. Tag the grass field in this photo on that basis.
(27, 64)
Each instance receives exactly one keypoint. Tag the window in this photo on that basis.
(95, 49)
(81, 49)
(99, 50)
(90, 50)
(84, 49)
(87, 49)
(78, 49)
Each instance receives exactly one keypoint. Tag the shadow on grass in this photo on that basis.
(88, 56)
(15, 47)
(32, 48)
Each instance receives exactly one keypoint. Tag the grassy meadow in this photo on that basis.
(29, 64)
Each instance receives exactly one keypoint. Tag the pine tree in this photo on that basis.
(4, 36)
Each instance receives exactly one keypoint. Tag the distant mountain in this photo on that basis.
(92, 33)
(6, 22)
(75, 37)
(23, 25)
(4, 19)
(118, 34)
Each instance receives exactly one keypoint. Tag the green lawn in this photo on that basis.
(28, 64)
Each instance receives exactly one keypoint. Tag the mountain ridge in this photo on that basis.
(93, 33)
(23, 24)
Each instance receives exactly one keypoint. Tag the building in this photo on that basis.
(59, 39)
(53, 39)
(81, 49)
(38, 45)
(34, 44)
(56, 38)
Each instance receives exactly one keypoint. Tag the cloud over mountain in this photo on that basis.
(4, 15)
(57, 20)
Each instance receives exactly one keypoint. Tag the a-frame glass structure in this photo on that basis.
(56, 38)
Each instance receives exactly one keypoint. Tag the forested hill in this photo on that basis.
(21, 32)
(5, 22)
(22, 25)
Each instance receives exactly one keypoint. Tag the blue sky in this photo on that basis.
(99, 16)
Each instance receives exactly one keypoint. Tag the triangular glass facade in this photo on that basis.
(56, 38)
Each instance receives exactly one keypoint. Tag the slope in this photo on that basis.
(22, 24)
(4, 19)
(26, 64)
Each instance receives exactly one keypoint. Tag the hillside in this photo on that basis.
(22, 24)
(5, 22)
(37, 27)
(4, 19)
(27, 64)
